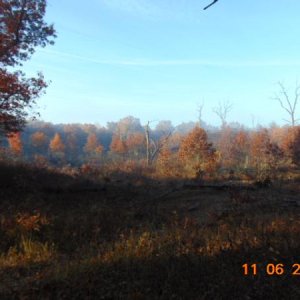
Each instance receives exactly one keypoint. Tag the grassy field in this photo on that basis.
(67, 237)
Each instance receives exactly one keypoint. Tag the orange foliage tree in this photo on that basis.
(291, 145)
(118, 146)
(136, 144)
(72, 144)
(240, 150)
(197, 154)
(224, 146)
(92, 147)
(265, 155)
(167, 162)
(91, 143)
(56, 144)
(39, 140)
(22, 29)
(57, 147)
(15, 143)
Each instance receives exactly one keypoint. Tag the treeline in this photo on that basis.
(186, 150)
(75, 144)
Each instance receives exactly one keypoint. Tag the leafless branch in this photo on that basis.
(209, 5)
(150, 143)
(287, 104)
(222, 111)
(200, 108)
(159, 145)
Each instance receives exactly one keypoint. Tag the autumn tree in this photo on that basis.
(197, 154)
(291, 145)
(136, 144)
(15, 143)
(72, 147)
(278, 134)
(57, 148)
(240, 149)
(56, 144)
(233, 148)
(224, 146)
(265, 155)
(22, 29)
(118, 146)
(93, 148)
(91, 143)
(74, 141)
(164, 161)
(127, 126)
(175, 141)
(167, 163)
(39, 141)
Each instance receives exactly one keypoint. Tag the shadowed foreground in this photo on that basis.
(71, 238)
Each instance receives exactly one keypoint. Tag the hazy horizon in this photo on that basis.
(158, 61)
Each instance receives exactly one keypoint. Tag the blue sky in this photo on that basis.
(157, 59)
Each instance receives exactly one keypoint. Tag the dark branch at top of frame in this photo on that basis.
(209, 5)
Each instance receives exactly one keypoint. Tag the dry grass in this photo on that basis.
(122, 241)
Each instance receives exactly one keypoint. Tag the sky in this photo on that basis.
(159, 59)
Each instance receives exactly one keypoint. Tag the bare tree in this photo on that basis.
(147, 132)
(288, 104)
(158, 146)
(209, 5)
(222, 111)
(200, 108)
(253, 120)
(152, 147)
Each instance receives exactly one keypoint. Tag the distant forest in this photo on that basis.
(182, 151)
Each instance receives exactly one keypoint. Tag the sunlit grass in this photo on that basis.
(28, 251)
